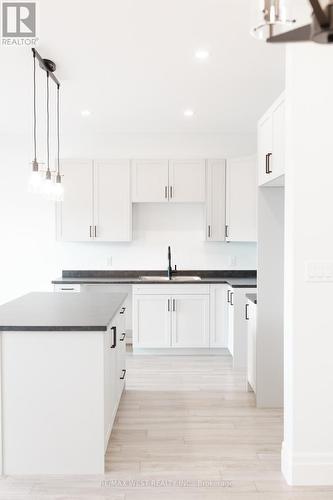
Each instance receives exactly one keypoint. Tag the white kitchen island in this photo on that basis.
(62, 376)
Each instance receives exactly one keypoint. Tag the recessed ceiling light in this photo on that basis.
(202, 54)
(85, 112)
(188, 113)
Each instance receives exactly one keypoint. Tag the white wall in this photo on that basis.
(307, 453)
(29, 255)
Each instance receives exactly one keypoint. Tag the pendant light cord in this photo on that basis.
(58, 132)
(35, 114)
(48, 120)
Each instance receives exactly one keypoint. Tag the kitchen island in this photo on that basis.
(62, 376)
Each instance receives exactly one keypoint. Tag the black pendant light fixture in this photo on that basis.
(51, 185)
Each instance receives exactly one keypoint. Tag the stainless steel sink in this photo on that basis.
(174, 278)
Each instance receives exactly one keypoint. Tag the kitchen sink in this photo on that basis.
(174, 278)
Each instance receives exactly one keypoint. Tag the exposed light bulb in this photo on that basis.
(35, 180)
(48, 185)
(202, 54)
(188, 113)
(58, 190)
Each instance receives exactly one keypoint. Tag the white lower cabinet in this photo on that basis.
(219, 306)
(114, 370)
(237, 343)
(151, 321)
(251, 316)
(190, 321)
(177, 319)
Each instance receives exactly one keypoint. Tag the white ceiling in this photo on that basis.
(131, 62)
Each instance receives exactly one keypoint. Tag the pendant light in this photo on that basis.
(51, 183)
(58, 188)
(47, 184)
(272, 17)
(35, 180)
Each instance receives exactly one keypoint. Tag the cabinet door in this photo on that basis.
(190, 321)
(151, 321)
(241, 200)
(112, 201)
(215, 200)
(187, 181)
(110, 383)
(218, 316)
(251, 345)
(231, 314)
(75, 213)
(279, 130)
(121, 351)
(150, 181)
(265, 148)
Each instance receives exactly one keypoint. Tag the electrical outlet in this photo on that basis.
(109, 261)
(319, 272)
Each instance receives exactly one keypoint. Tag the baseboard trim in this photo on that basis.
(182, 352)
(307, 469)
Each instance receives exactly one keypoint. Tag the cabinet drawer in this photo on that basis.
(67, 288)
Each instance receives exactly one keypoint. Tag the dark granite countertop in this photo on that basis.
(236, 279)
(252, 297)
(49, 311)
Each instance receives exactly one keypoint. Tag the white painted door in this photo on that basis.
(187, 181)
(251, 314)
(190, 321)
(241, 199)
(215, 200)
(218, 316)
(75, 213)
(151, 321)
(112, 201)
(279, 132)
(265, 148)
(150, 181)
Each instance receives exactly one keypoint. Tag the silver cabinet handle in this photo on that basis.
(171, 192)
(227, 231)
(228, 296)
(95, 231)
(168, 305)
(174, 305)
(231, 298)
(90, 231)
(209, 231)
(166, 192)
(247, 311)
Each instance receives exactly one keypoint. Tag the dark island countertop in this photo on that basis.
(236, 279)
(252, 297)
(49, 311)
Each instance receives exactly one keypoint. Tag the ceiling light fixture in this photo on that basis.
(52, 185)
(188, 113)
(272, 17)
(85, 112)
(202, 54)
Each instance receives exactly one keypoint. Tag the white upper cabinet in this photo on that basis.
(74, 214)
(150, 180)
(187, 181)
(241, 200)
(271, 145)
(97, 203)
(112, 201)
(215, 200)
(168, 181)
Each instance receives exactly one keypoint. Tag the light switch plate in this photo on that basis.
(319, 271)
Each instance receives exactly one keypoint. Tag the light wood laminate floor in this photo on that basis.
(186, 429)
